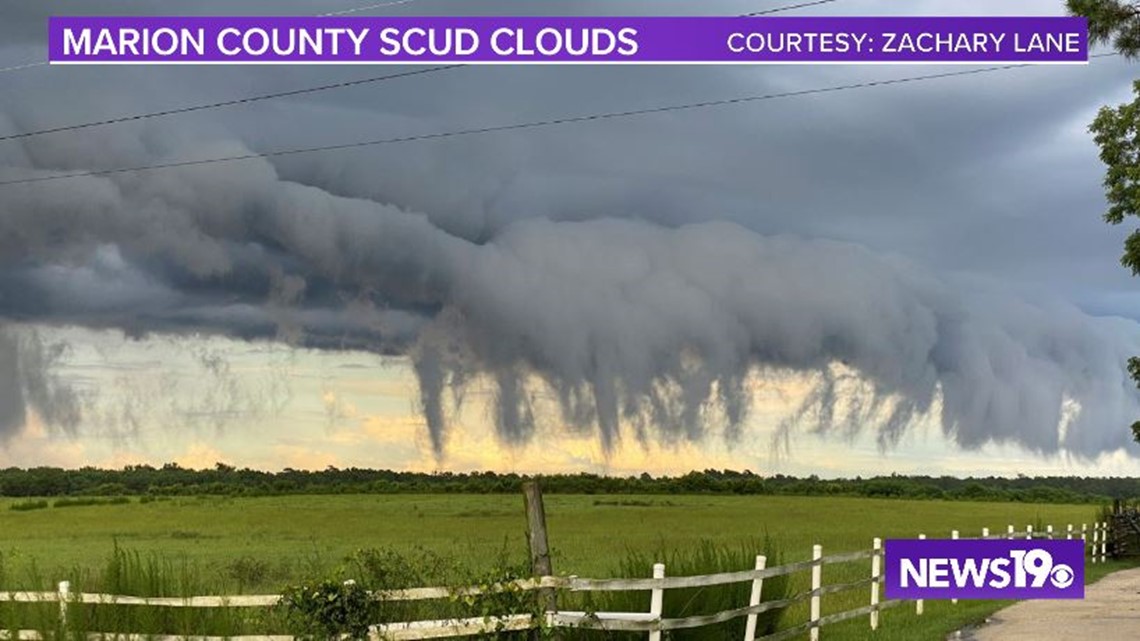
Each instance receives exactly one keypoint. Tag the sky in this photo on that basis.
(912, 278)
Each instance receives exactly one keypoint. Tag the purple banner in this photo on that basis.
(985, 569)
(509, 40)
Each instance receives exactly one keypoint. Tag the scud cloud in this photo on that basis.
(508, 41)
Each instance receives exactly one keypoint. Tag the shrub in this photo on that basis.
(248, 572)
(27, 506)
(500, 597)
(327, 610)
(330, 607)
(89, 502)
(389, 569)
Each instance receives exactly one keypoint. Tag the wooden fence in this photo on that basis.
(651, 623)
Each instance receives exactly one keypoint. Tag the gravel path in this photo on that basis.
(1110, 611)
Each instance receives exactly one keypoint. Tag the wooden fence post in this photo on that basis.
(540, 565)
(1104, 543)
(954, 537)
(919, 605)
(1049, 532)
(816, 584)
(64, 594)
(876, 573)
(985, 533)
(757, 597)
(1096, 539)
(1069, 536)
(1010, 531)
(1028, 532)
(657, 601)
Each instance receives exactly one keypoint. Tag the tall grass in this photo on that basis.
(43, 617)
(704, 558)
(129, 573)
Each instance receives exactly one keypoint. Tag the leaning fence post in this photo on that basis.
(64, 592)
(816, 584)
(876, 572)
(757, 594)
(657, 602)
(919, 605)
(540, 565)
(954, 536)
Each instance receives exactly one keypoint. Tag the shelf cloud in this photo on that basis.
(641, 271)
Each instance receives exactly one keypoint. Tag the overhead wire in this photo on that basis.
(536, 124)
(293, 92)
(228, 103)
(802, 5)
(461, 132)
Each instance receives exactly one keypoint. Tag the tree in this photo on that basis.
(1111, 22)
(1117, 131)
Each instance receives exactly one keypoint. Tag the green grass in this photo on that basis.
(257, 545)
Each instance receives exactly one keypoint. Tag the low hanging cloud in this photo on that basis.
(582, 260)
(662, 327)
(28, 384)
(630, 323)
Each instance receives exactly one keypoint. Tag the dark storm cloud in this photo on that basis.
(588, 257)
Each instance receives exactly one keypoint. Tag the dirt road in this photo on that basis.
(1110, 612)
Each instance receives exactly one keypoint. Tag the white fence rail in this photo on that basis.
(652, 623)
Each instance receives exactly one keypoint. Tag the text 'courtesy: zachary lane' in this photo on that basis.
(903, 43)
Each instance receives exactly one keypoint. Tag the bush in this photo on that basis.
(248, 572)
(27, 506)
(333, 606)
(327, 610)
(389, 569)
(88, 502)
(500, 597)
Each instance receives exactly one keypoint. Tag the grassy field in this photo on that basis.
(260, 544)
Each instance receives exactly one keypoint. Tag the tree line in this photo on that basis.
(225, 480)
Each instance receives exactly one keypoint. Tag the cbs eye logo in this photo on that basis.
(1062, 576)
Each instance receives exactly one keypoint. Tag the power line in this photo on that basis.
(228, 103)
(294, 92)
(538, 124)
(802, 5)
(23, 66)
(366, 8)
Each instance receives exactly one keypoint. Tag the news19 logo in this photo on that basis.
(984, 569)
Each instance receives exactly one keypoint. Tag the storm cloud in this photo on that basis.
(642, 271)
